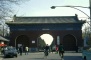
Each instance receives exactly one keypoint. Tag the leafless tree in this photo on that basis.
(6, 7)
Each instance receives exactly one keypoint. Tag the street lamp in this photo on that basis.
(53, 7)
(75, 7)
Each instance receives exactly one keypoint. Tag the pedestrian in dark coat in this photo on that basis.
(61, 50)
(20, 50)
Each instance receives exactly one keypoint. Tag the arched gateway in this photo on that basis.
(21, 40)
(64, 29)
(69, 42)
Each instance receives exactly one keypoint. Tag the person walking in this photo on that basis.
(61, 50)
(26, 50)
(56, 49)
(20, 50)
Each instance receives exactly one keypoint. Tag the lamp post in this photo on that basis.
(90, 14)
(53, 7)
(75, 7)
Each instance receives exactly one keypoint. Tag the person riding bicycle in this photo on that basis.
(46, 49)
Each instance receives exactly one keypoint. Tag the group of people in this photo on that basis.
(59, 49)
(20, 50)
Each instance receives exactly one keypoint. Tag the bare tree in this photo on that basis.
(6, 7)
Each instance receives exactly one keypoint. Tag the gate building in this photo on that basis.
(64, 29)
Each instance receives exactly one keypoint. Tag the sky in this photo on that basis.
(42, 8)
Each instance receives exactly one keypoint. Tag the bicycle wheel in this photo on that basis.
(46, 53)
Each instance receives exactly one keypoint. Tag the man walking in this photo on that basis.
(20, 50)
(61, 50)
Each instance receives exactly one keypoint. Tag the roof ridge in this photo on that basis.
(46, 19)
(41, 16)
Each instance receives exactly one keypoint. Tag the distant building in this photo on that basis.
(64, 29)
(3, 41)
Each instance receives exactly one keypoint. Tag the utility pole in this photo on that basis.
(90, 18)
(3, 30)
(90, 13)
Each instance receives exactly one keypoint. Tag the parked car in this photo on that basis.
(10, 52)
(86, 53)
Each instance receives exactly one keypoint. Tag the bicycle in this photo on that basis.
(46, 53)
(46, 49)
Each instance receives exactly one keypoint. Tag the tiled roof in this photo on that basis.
(3, 39)
(46, 19)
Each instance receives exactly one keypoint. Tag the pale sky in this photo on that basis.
(42, 8)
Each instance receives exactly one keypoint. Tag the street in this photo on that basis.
(52, 56)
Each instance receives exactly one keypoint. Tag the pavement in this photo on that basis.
(52, 56)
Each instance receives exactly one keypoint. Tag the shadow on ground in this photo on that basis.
(65, 58)
(73, 58)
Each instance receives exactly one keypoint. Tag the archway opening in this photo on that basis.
(43, 40)
(22, 40)
(69, 42)
(48, 39)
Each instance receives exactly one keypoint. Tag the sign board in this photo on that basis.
(19, 45)
(58, 40)
(33, 41)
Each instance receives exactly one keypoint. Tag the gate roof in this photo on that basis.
(45, 20)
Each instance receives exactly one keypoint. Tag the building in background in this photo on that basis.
(26, 30)
(3, 41)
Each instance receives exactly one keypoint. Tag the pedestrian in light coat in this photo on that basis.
(26, 50)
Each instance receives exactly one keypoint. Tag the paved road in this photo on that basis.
(52, 56)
